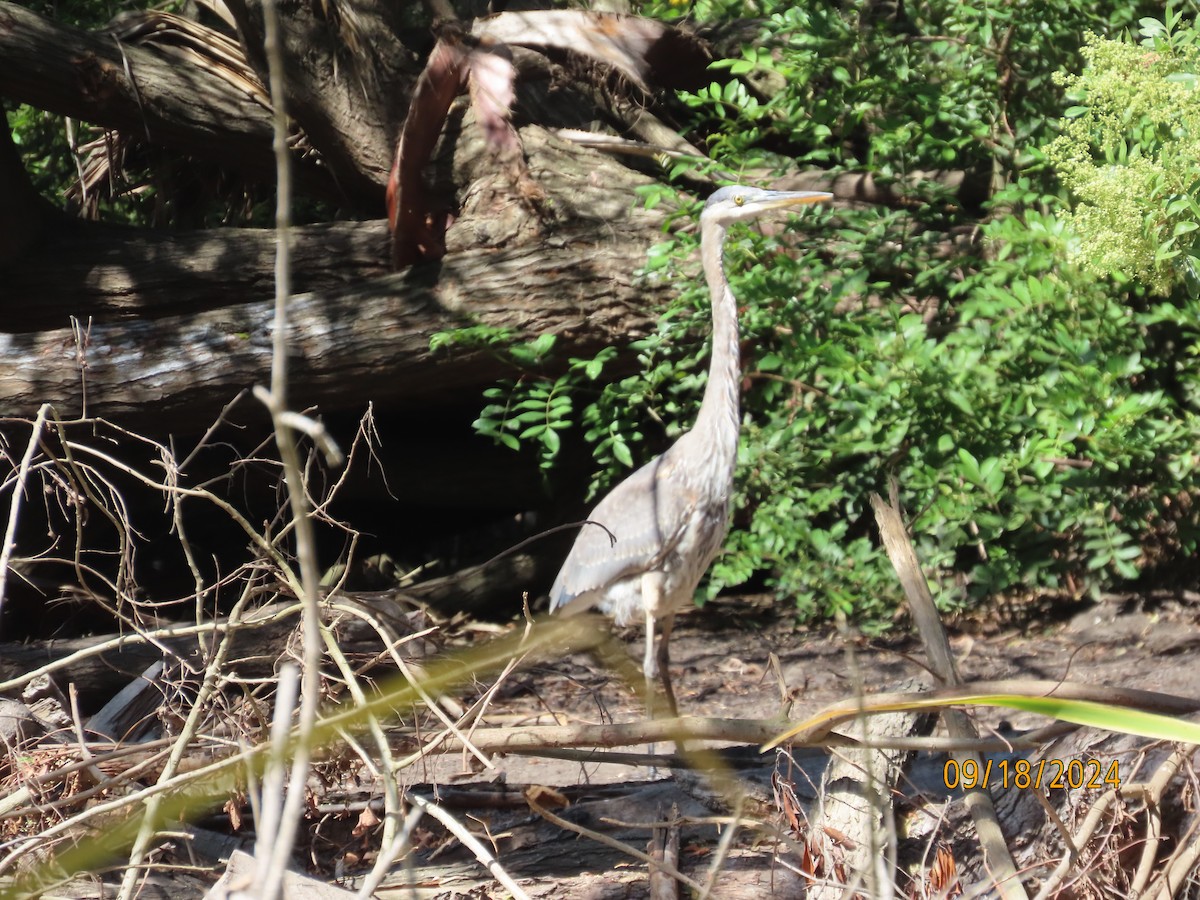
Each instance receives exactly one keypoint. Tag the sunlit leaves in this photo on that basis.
(1130, 154)
(1039, 424)
(537, 412)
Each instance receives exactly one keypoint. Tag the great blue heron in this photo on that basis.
(670, 517)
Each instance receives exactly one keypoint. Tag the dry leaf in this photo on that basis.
(367, 820)
(546, 797)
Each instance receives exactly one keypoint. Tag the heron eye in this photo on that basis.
(739, 200)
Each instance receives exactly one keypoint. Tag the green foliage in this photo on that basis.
(1022, 439)
(1130, 153)
(533, 408)
(538, 413)
(41, 139)
(472, 337)
(1039, 423)
(942, 84)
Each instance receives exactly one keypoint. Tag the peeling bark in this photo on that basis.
(348, 81)
(96, 78)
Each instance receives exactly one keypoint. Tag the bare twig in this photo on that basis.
(150, 819)
(156, 636)
(14, 508)
(470, 841)
(391, 789)
(274, 825)
(1153, 799)
(1090, 823)
(267, 547)
(723, 847)
(268, 878)
(389, 853)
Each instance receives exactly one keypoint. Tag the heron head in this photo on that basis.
(737, 202)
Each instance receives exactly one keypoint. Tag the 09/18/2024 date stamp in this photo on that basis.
(1024, 775)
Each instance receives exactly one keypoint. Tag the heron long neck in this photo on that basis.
(717, 423)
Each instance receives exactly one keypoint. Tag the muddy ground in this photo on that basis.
(721, 662)
(723, 666)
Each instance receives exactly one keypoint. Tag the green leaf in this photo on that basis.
(621, 452)
(969, 466)
(991, 476)
(1093, 714)
(960, 400)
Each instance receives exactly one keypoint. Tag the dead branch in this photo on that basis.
(101, 665)
(94, 77)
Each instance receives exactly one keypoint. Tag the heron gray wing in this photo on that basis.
(645, 515)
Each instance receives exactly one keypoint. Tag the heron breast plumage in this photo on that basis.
(661, 519)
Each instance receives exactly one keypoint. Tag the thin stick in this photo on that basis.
(224, 505)
(389, 854)
(1090, 823)
(391, 641)
(471, 842)
(391, 789)
(724, 845)
(139, 637)
(210, 685)
(275, 822)
(14, 509)
(266, 883)
(1181, 870)
(937, 646)
(1153, 800)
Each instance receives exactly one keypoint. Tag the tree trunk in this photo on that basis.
(96, 78)
(347, 78)
(181, 322)
(347, 346)
(160, 330)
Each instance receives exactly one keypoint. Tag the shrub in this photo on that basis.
(1038, 421)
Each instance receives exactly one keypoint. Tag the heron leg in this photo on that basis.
(663, 661)
(652, 590)
(649, 662)
(657, 663)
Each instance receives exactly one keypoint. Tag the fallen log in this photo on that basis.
(369, 342)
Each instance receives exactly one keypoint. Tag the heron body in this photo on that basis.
(663, 525)
(669, 519)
